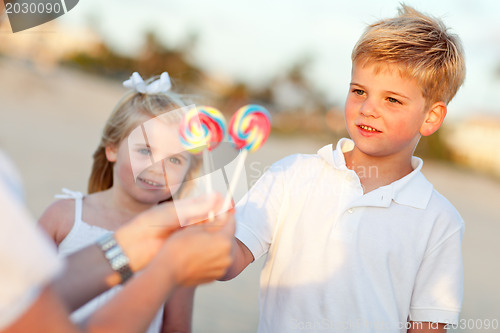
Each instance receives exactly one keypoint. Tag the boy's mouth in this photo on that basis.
(369, 129)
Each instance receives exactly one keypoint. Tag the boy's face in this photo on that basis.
(384, 111)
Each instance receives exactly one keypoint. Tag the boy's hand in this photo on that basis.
(142, 238)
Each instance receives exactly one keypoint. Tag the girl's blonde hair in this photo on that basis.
(127, 115)
(423, 49)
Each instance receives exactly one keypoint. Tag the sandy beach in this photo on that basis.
(50, 123)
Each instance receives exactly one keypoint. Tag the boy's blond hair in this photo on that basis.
(422, 48)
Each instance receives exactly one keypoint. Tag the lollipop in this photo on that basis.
(248, 130)
(249, 127)
(200, 127)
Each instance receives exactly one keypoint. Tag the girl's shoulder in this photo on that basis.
(58, 219)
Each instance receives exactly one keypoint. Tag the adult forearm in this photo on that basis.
(142, 296)
(87, 274)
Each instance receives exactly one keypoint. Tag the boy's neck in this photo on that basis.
(375, 172)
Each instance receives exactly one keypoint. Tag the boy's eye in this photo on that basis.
(358, 92)
(393, 100)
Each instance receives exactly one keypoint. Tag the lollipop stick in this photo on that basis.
(206, 168)
(164, 173)
(234, 179)
(208, 179)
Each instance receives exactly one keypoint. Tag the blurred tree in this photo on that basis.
(154, 59)
(237, 96)
(293, 91)
(434, 146)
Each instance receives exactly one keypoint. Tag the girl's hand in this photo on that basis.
(144, 235)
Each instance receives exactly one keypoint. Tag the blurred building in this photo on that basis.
(45, 45)
(476, 143)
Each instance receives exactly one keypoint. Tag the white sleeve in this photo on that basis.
(28, 260)
(438, 290)
(258, 211)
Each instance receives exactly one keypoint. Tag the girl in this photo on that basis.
(129, 176)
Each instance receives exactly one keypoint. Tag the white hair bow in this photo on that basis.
(159, 86)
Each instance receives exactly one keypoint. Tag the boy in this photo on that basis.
(357, 239)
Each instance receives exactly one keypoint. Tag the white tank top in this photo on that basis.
(81, 235)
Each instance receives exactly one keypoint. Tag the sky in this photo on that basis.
(254, 41)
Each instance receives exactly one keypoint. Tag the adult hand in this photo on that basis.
(144, 235)
(200, 253)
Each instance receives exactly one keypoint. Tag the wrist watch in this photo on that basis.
(118, 261)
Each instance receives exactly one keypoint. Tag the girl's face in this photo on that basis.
(151, 164)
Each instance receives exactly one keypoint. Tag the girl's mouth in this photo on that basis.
(150, 183)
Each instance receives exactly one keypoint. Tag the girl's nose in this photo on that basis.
(159, 168)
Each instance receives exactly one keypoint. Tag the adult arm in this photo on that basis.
(88, 273)
(47, 314)
(191, 256)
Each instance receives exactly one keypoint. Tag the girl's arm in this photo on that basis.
(57, 219)
(178, 311)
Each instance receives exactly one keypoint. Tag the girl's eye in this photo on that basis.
(145, 151)
(393, 100)
(174, 160)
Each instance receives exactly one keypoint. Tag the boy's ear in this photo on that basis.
(111, 152)
(434, 118)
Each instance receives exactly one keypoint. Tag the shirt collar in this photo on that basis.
(412, 190)
(337, 159)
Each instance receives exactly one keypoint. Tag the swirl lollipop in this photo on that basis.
(248, 130)
(200, 127)
(250, 127)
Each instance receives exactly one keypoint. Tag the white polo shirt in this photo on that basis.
(341, 261)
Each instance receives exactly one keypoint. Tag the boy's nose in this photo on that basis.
(369, 109)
